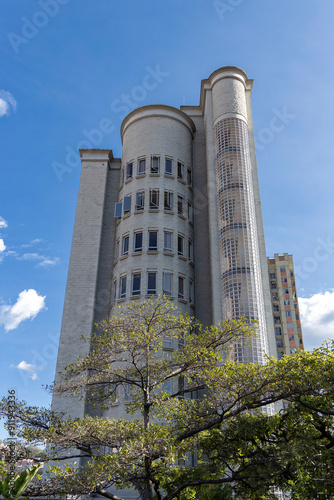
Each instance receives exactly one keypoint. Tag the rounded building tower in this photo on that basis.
(154, 228)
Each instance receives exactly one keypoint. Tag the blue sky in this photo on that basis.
(66, 67)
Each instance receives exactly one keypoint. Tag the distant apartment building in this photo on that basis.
(288, 331)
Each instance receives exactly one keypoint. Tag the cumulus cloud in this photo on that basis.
(317, 318)
(27, 367)
(3, 223)
(7, 102)
(27, 306)
(2, 245)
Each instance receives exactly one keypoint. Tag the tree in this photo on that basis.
(175, 444)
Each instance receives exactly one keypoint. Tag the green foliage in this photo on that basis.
(201, 425)
(12, 488)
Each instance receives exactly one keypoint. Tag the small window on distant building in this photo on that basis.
(189, 176)
(167, 279)
(181, 288)
(136, 279)
(168, 241)
(129, 170)
(141, 166)
(122, 287)
(155, 164)
(138, 242)
(180, 170)
(127, 204)
(168, 166)
(283, 270)
(154, 199)
(125, 245)
(180, 245)
(180, 205)
(168, 200)
(151, 283)
(140, 200)
(153, 240)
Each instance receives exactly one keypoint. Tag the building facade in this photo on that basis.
(179, 214)
(288, 330)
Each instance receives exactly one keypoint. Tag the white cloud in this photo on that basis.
(23, 365)
(7, 102)
(44, 261)
(317, 318)
(27, 306)
(27, 367)
(3, 223)
(2, 245)
(33, 242)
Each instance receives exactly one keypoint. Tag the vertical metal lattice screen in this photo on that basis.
(240, 260)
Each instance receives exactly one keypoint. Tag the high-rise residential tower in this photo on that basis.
(179, 214)
(288, 330)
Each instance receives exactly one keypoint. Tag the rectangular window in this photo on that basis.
(279, 343)
(272, 276)
(291, 337)
(127, 392)
(168, 242)
(273, 285)
(276, 309)
(297, 316)
(155, 164)
(284, 280)
(118, 209)
(180, 201)
(122, 177)
(286, 302)
(278, 331)
(180, 170)
(283, 270)
(191, 292)
(285, 290)
(129, 170)
(140, 200)
(141, 166)
(153, 240)
(154, 199)
(127, 204)
(151, 283)
(294, 296)
(167, 279)
(136, 279)
(287, 314)
(296, 306)
(189, 177)
(190, 211)
(125, 245)
(181, 288)
(180, 245)
(168, 200)
(290, 326)
(190, 250)
(122, 287)
(168, 166)
(138, 242)
(293, 283)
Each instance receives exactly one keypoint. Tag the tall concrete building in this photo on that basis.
(288, 330)
(178, 214)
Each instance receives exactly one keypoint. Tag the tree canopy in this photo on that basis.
(199, 424)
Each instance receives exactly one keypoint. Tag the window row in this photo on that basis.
(184, 245)
(138, 285)
(184, 207)
(153, 166)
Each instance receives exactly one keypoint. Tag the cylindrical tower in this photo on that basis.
(241, 285)
(154, 233)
